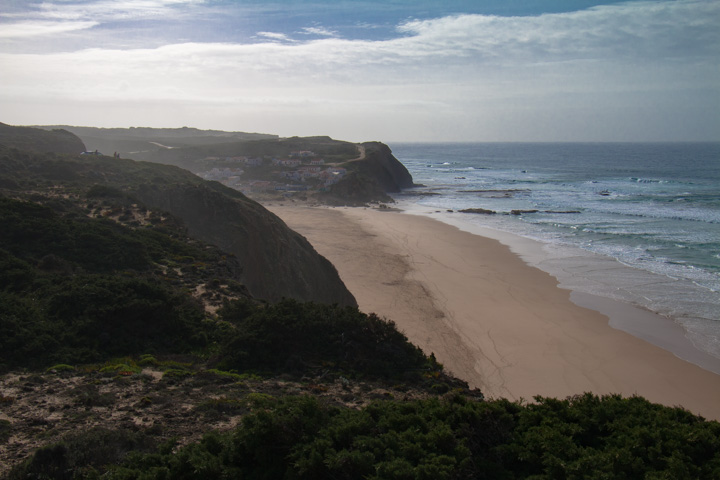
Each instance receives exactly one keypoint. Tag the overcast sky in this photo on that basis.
(390, 70)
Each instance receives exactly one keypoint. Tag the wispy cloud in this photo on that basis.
(321, 31)
(27, 29)
(275, 36)
(50, 18)
(111, 9)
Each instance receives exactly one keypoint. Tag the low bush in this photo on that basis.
(82, 455)
(304, 338)
(442, 438)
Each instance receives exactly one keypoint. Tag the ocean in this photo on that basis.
(636, 222)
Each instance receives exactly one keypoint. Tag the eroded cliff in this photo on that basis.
(277, 262)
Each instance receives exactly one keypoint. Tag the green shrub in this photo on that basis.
(120, 369)
(148, 360)
(300, 338)
(220, 376)
(82, 455)
(61, 367)
(221, 407)
(447, 438)
(176, 373)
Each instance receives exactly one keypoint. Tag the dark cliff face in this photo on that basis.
(37, 140)
(371, 178)
(277, 262)
(356, 189)
(380, 164)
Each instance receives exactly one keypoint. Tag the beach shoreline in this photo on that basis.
(577, 270)
(491, 318)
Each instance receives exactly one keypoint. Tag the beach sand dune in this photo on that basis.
(494, 321)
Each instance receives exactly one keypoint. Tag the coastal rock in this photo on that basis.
(356, 189)
(521, 212)
(380, 164)
(481, 211)
(375, 174)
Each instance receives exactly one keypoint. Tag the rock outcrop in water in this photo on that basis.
(481, 211)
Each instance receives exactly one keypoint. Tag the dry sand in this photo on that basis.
(491, 319)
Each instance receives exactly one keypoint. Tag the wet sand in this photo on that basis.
(491, 319)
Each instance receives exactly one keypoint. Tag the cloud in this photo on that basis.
(112, 9)
(275, 36)
(96, 12)
(469, 72)
(322, 31)
(436, 50)
(27, 29)
(628, 30)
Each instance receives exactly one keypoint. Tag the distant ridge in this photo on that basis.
(130, 141)
(369, 170)
(40, 140)
(151, 132)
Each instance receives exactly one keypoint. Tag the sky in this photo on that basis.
(390, 70)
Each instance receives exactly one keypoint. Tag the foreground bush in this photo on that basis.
(452, 437)
(296, 337)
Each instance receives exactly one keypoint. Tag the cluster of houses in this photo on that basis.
(301, 171)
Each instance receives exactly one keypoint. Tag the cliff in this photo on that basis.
(372, 170)
(372, 176)
(38, 140)
(277, 262)
(380, 164)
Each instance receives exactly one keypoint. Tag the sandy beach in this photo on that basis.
(491, 319)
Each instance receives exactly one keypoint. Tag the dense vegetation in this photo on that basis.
(296, 337)
(76, 289)
(442, 438)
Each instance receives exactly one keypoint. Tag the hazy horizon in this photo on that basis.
(393, 71)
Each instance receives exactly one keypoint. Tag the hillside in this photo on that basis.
(35, 140)
(275, 262)
(318, 169)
